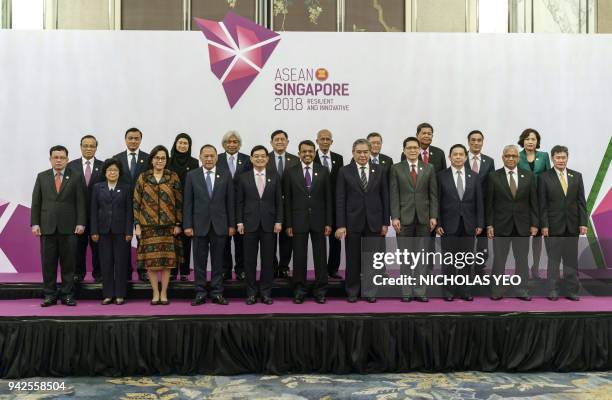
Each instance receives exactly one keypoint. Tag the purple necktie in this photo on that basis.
(87, 172)
(308, 179)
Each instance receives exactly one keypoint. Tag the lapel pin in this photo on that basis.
(421, 169)
(269, 180)
(187, 168)
(217, 175)
(372, 171)
(141, 161)
(239, 162)
(334, 161)
(469, 176)
(570, 175)
(537, 158)
(316, 174)
(118, 190)
(383, 162)
(67, 177)
(522, 176)
(96, 169)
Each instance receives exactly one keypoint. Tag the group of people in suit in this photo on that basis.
(274, 202)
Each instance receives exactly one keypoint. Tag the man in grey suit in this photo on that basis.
(279, 162)
(209, 217)
(414, 207)
(58, 213)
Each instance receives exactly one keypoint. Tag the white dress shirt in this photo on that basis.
(514, 175)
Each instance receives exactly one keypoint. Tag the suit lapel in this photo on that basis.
(504, 182)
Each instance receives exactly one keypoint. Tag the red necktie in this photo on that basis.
(58, 181)
(425, 157)
(413, 175)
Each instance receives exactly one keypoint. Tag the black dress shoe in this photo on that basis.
(573, 297)
(334, 275)
(282, 274)
(524, 298)
(49, 301)
(78, 278)
(267, 300)
(421, 299)
(184, 278)
(320, 299)
(352, 299)
(406, 299)
(496, 298)
(199, 300)
(69, 301)
(371, 299)
(222, 301)
(143, 277)
(107, 301)
(468, 298)
(298, 299)
(251, 300)
(448, 298)
(240, 275)
(553, 296)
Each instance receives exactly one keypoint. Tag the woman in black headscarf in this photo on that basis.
(182, 162)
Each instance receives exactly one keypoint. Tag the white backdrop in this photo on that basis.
(56, 86)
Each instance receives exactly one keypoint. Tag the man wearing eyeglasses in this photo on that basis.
(90, 169)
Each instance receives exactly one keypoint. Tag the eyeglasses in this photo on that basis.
(89, 146)
(159, 158)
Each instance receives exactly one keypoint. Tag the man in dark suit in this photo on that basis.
(362, 211)
(259, 213)
(134, 162)
(236, 163)
(511, 217)
(308, 212)
(58, 213)
(376, 157)
(461, 216)
(91, 170)
(414, 208)
(429, 154)
(333, 162)
(481, 165)
(563, 216)
(280, 161)
(209, 217)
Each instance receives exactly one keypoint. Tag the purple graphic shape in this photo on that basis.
(238, 49)
(2, 207)
(602, 221)
(20, 246)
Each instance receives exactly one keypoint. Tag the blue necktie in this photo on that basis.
(325, 163)
(280, 165)
(209, 183)
(232, 167)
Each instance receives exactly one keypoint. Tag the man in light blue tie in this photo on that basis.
(236, 163)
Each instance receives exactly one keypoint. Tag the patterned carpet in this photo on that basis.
(455, 386)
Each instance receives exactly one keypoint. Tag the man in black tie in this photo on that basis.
(511, 217)
(236, 163)
(563, 216)
(308, 213)
(209, 217)
(376, 157)
(280, 161)
(91, 170)
(333, 162)
(362, 211)
(135, 162)
(481, 165)
(461, 216)
(58, 214)
(259, 214)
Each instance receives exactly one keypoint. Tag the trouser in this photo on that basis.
(520, 250)
(355, 268)
(80, 268)
(457, 243)
(300, 259)
(112, 248)
(53, 248)
(415, 237)
(335, 247)
(285, 247)
(201, 247)
(262, 242)
(563, 248)
(183, 268)
(238, 255)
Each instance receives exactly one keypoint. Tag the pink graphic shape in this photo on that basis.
(238, 49)
(602, 221)
(16, 241)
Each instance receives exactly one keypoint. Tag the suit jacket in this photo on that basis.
(289, 161)
(385, 162)
(307, 211)
(202, 211)
(541, 162)
(503, 212)
(111, 213)
(253, 211)
(562, 213)
(452, 208)
(243, 163)
(357, 208)
(337, 162)
(487, 165)
(436, 158)
(96, 173)
(406, 201)
(141, 166)
(58, 212)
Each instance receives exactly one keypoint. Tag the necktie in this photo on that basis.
(375, 160)
(58, 181)
(280, 166)
(87, 172)
(563, 183)
(260, 184)
(308, 179)
(364, 179)
(232, 167)
(475, 164)
(413, 175)
(512, 184)
(325, 162)
(209, 183)
(133, 164)
(460, 189)
(112, 192)
(425, 157)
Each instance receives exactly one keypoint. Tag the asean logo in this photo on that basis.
(321, 74)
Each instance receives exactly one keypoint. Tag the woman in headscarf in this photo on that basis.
(181, 162)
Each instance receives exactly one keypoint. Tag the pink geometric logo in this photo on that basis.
(238, 49)
(602, 220)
